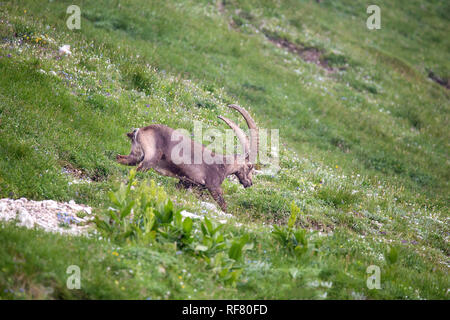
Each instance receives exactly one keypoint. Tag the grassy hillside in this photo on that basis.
(363, 129)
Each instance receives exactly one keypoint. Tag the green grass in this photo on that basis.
(364, 150)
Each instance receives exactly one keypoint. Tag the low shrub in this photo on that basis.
(143, 213)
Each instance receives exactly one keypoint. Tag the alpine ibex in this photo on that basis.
(158, 146)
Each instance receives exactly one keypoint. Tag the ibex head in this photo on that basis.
(244, 174)
(244, 171)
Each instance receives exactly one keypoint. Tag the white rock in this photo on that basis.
(224, 215)
(185, 214)
(50, 204)
(266, 172)
(26, 219)
(208, 206)
(43, 214)
(65, 50)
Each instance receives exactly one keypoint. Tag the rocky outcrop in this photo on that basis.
(52, 216)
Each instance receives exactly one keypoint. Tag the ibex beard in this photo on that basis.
(154, 147)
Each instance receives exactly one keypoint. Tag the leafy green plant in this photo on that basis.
(178, 230)
(139, 213)
(294, 239)
(143, 213)
(114, 224)
(228, 264)
(391, 255)
(211, 241)
(221, 252)
(81, 214)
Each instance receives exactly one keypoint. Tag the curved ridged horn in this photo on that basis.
(254, 134)
(239, 133)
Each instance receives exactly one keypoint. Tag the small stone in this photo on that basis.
(26, 219)
(208, 206)
(65, 50)
(186, 214)
(51, 204)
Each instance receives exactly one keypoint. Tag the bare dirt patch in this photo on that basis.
(441, 81)
(76, 175)
(308, 54)
(317, 226)
(220, 5)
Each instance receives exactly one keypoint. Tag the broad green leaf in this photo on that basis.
(209, 226)
(125, 212)
(223, 273)
(235, 251)
(294, 212)
(187, 225)
(220, 226)
(113, 198)
(391, 255)
(204, 230)
(178, 218)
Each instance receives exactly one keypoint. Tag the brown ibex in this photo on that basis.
(154, 147)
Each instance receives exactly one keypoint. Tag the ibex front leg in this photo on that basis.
(130, 160)
(217, 194)
(150, 161)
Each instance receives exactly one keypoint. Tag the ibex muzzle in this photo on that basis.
(154, 147)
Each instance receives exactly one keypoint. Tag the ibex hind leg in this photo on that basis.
(149, 161)
(188, 184)
(182, 184)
